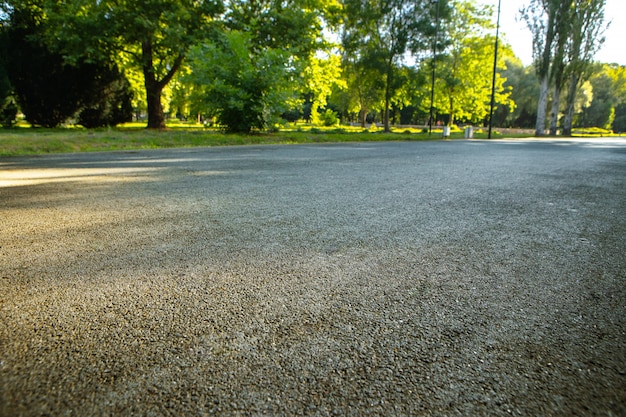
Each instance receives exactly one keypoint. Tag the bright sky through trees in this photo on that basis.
(519, 37)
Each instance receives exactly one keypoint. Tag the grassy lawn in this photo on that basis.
(34, 141)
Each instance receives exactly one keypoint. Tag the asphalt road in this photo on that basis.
(406, 278)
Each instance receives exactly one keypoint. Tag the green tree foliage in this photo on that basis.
(522, 82)
(8, 107)
(619, 124)
(363, 91)
(51, 90)
(566, 35)
(586, 27)
(618, 77)
(154, 35)
(609, 97)
(110, 100)
(463, 79)
(244, 89)
(378, 34)
(294, 26)
(264, 57)
(253, 61)
(321, 76)
(39, 76)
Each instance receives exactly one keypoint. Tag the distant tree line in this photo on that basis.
(257, 65)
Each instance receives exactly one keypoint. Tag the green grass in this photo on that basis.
(34, 141)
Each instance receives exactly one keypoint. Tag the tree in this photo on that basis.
(546, 21)
(363, 91)
(462, 75)
(8, 107)
(378, 34)
(619, 124)
(110, 100)
(293, 31)
(563, 46)
(609, 94)
(44, 86)
(50, 89)
(154, 35)
(321, 75)
(558, 66)
(522, 82)
(586, 36)
(244, 90)
(618, 76)
(264, 57)
(295, 26)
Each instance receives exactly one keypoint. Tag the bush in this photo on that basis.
(329, 118)
(50, 91)
(245, 87)
(112, 100)
(8, 113)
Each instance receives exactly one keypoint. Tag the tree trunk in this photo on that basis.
(363, 116)
(386, 111)
(554, 114)
(387, 96)
(154, 87)
(542, 107)
(451, 118)
(156, 118)
(571, 103)
(363, 109)
(386, 115)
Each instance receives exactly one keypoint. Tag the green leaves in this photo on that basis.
(378, 35)
(244, 88)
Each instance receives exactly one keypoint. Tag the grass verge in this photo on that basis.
(35, 141)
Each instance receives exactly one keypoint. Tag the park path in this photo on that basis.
(432, 278)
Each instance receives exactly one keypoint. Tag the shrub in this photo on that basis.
(8, 113)
(329, 118)
(244, 87)
(50, 90)
(112, 103)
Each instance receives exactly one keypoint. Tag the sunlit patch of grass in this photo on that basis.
(591, 132)
(21, 141)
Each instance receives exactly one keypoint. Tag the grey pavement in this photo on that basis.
(407, 278)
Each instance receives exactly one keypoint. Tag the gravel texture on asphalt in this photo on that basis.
(448, 278)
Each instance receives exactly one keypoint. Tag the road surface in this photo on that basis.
(409, 278)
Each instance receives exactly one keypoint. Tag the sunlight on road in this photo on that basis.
(21, 177)
(612, 142)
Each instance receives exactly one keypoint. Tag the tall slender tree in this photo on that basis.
(545, 20)
(587, 23)
(559, 64)
(566, 35)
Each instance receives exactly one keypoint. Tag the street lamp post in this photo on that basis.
(432, 85)
(493, 81)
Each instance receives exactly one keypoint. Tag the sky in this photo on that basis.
(515, 32)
